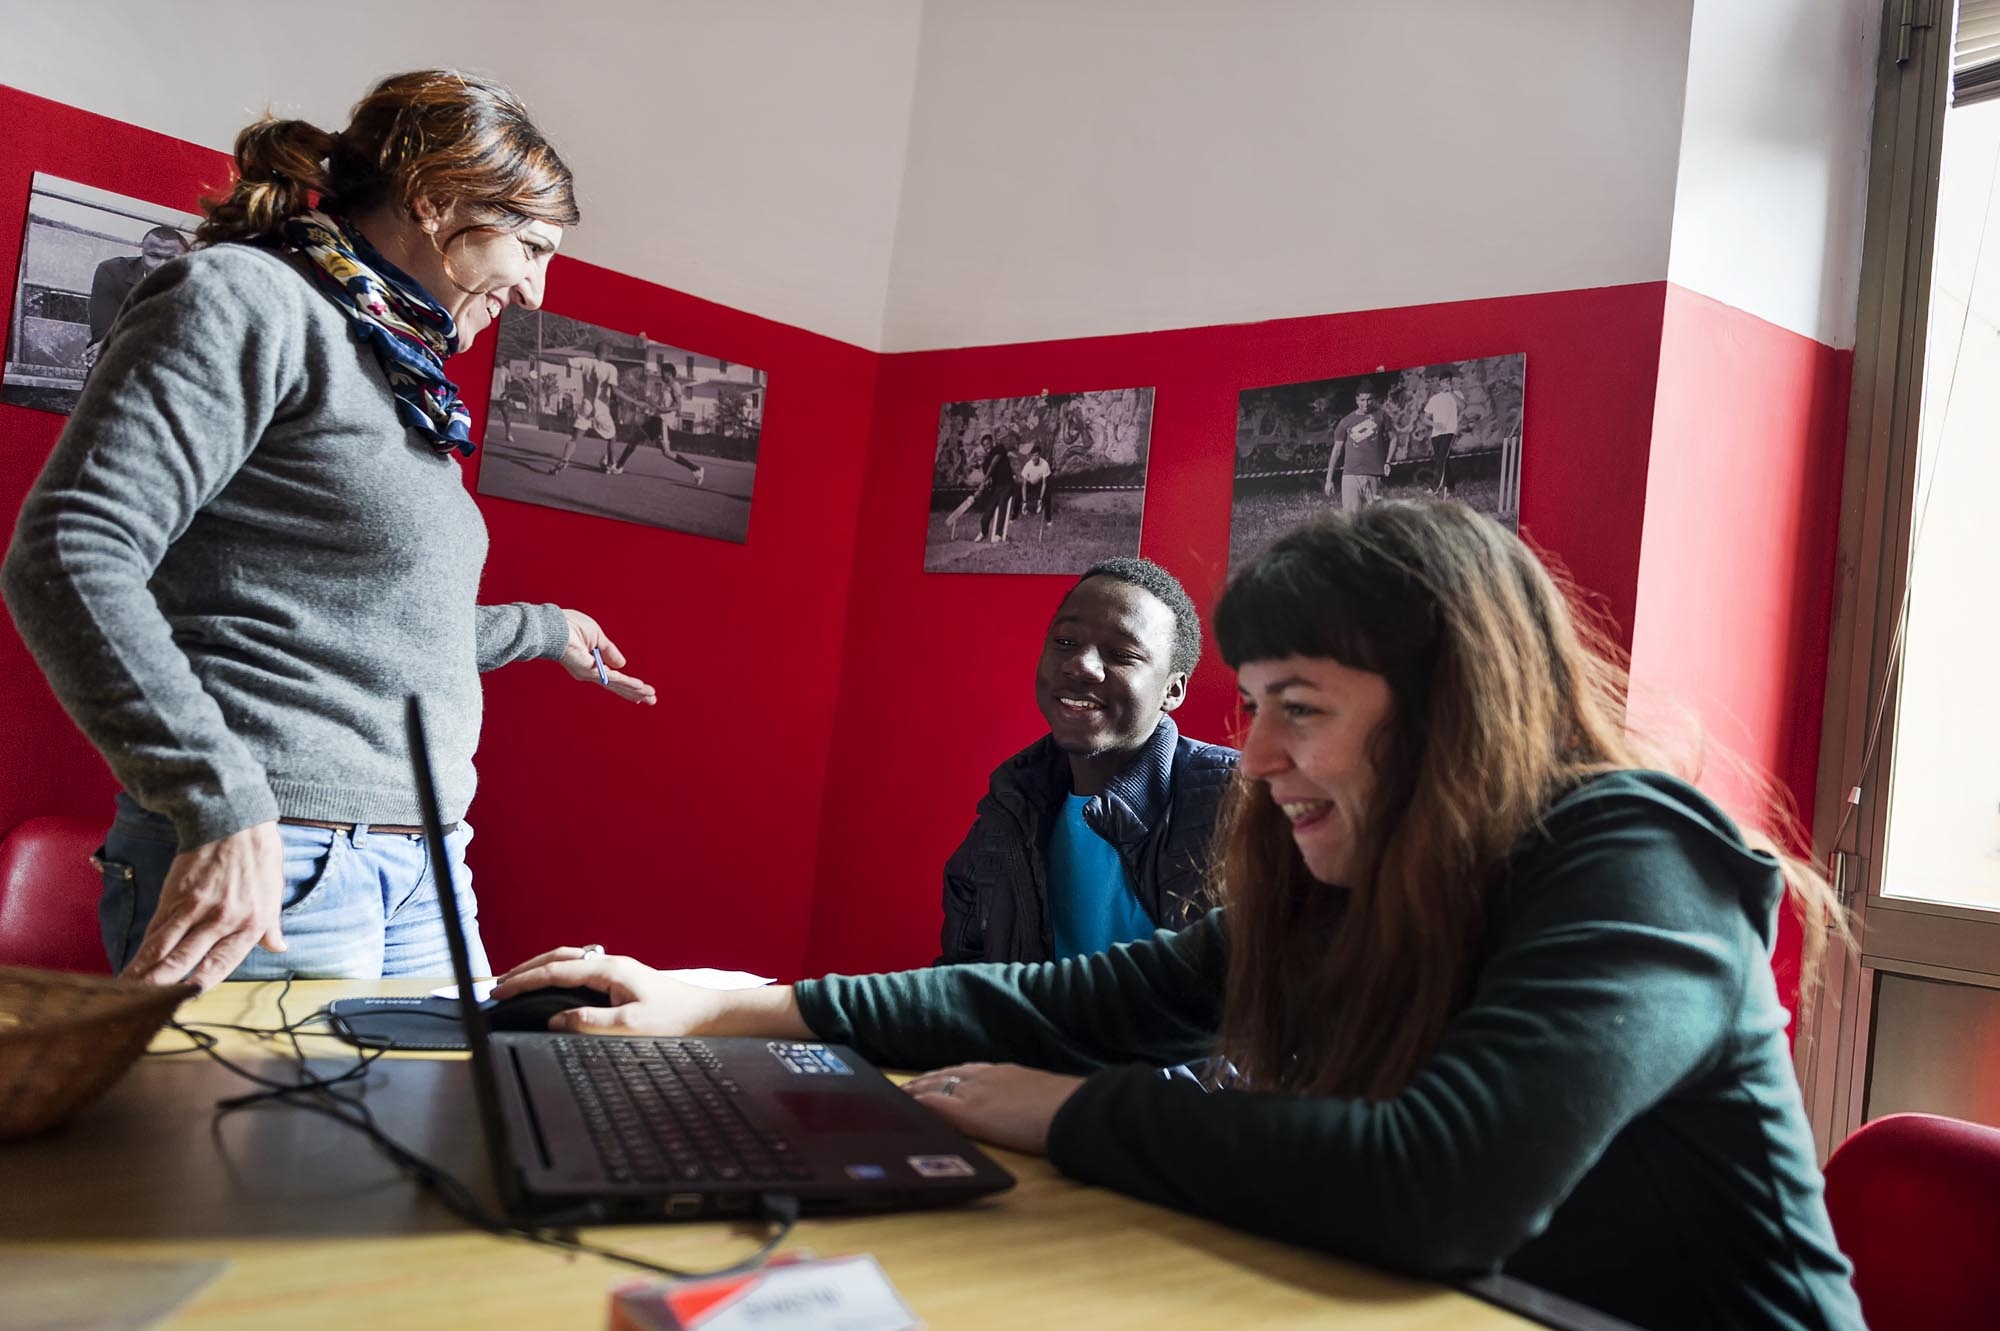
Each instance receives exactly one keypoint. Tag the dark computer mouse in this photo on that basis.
(531, 1010)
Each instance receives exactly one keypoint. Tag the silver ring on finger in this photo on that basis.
(951, 1085)
(593, 950)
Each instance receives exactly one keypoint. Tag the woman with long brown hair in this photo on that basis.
(253, 539)
(1498, 995)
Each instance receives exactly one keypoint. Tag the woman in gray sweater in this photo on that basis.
(1499, 997)
(253, 539)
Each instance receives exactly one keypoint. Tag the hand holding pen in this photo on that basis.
(590, 656)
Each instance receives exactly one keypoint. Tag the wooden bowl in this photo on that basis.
(65, 1037)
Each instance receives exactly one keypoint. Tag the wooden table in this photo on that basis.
(319, 1231)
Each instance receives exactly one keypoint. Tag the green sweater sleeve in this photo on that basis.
(1618, 965)
(1155, 1001)
(1615, 967)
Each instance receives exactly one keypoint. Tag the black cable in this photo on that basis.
(321, 1095)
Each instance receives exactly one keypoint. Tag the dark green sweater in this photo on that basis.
(1612, 1116)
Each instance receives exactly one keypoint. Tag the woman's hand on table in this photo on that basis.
(1002, 1103)
(646, 1002)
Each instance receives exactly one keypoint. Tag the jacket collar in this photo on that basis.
(1133, 800)
(1136, 798)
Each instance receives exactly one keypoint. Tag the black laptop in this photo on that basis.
(588, 1129)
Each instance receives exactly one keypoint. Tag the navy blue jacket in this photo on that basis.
(1159, 813)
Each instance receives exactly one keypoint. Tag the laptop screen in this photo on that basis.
(484, 1078)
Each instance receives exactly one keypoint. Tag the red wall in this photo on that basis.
(686, 832)
(1742, 520)
(817, 753)
(937, 678)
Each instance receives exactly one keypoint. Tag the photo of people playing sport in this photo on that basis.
(617, 425)
(1451, 430)
(1046, 484)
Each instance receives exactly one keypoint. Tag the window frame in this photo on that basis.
(1902, 936)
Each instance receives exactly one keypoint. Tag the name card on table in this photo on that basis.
(839, 1294)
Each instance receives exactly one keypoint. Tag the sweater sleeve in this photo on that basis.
(205, 356)
(1617, 971)
(1154, 1001)
(520, 631)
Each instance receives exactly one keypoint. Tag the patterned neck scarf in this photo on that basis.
(396, 318)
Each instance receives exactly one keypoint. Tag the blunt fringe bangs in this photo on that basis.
(1327, 590)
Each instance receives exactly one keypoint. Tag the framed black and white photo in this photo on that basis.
(1452, 429)
(1044, 484)
(614, 424)
(83, 252)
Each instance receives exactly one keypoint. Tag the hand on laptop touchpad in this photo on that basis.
(530, 1011)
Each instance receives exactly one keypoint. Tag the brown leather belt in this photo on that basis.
(393, 829)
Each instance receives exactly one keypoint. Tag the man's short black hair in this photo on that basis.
(1148, 576)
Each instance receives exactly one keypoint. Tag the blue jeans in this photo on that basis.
(357, 905)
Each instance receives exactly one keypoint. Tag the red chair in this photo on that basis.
(48, 895)
(1915, 1202)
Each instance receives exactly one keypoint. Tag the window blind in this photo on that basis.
(1975, 57)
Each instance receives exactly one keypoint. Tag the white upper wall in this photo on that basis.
(750, 153)
(1774, 159)
(907, 174)
(1111, 166)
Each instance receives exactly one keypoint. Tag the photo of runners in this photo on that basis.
(1044, 484)
(1451, 430)
(614, 424)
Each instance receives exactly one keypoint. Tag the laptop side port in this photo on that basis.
(683, 1204)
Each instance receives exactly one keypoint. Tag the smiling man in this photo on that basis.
(1098, 832)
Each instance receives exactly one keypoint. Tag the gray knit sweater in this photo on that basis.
(237, 562)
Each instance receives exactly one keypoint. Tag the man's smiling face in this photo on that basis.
(1106, 674)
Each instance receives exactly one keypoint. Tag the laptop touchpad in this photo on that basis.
(839, 1111)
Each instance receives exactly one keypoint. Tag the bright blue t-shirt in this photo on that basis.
(1090, 903)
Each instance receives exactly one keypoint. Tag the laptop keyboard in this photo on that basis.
(662, 1111)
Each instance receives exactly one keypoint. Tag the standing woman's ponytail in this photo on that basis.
(280, 172)
(433, 135)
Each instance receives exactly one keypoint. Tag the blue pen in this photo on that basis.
(597, 658)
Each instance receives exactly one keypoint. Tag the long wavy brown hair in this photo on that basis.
(1503, 697)
(432, 135)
